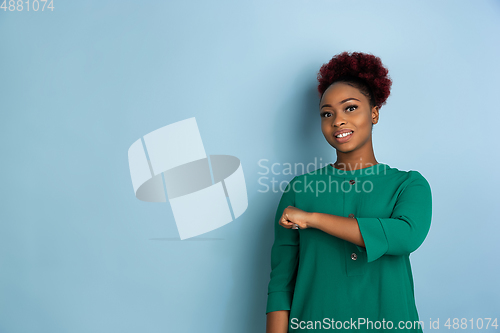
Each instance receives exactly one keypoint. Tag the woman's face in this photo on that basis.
(344, 107)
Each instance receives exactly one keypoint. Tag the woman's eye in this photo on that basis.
(324, 115)
(351, 108)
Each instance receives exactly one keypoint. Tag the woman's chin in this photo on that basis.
(343, 148)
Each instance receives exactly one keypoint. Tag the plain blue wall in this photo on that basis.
(78, 251)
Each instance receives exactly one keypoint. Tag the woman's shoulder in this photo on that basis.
(410, 174)
(410, 178)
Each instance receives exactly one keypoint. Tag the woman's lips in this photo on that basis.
(344, 139)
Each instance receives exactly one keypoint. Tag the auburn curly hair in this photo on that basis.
(364, 71)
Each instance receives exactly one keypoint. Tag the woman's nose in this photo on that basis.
(338, 121)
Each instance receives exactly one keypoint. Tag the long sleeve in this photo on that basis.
(284, 258)
(408, 225)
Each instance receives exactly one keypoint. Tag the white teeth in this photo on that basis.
(343, 134)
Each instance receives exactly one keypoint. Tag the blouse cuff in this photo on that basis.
(279, 300)
(373, 234)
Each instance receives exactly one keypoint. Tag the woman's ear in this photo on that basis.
(375, 114)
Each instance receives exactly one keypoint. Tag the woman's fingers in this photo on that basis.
(288, 224)
(285, 223)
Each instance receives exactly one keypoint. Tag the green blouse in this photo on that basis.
(329, 283)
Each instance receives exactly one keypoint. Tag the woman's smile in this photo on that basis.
(343, 136)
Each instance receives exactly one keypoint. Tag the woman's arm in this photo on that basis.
(277, 321)
(284, 265)
(342, 227)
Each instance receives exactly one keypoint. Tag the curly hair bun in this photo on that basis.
(357, 66)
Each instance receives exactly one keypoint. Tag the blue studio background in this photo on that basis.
(79, 84)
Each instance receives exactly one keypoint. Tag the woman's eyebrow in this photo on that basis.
(345, 100)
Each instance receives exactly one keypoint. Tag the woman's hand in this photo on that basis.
(295, 218)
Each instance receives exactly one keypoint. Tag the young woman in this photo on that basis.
(344, 232)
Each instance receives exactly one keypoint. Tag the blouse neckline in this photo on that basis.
(374, 170)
